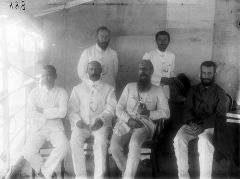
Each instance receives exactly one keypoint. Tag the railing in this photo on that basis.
(11, 120)
(5, 125)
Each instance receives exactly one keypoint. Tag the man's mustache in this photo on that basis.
(143, 75)
(207, 79)
(104, 43)
(94, 75)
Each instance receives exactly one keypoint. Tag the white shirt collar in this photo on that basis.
(162, 54)
(99, 48)
(91, 83)
(44, 88)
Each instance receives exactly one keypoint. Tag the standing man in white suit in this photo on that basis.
(47, 106)
(91, 109)
(102, 53)
(163, 62)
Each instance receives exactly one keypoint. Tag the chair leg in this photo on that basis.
(33, 174)
(108, 165)
(153, 164)
(156, 161)
(117, 173)
(62, 169)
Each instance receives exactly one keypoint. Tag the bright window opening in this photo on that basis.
(19, 49)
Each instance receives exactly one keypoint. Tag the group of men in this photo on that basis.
(92, 106)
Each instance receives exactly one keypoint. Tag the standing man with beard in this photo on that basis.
(139, 105)
(102, 53)
(205, 105)
(91, 109)
(163, 62)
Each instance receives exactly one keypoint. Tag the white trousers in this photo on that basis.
(100, 147)
(205, 150)
(128, 164)
(34, 142)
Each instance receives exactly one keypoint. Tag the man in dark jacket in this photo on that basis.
(205, 105)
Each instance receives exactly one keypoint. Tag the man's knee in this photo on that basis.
(76, 142)
(179, 139)
(64, 146)
(135, 144)
(29, 151)
(205, 143)
(101, 141)
(114, 146)
(28, 155)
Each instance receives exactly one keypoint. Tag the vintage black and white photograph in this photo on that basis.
(119, 89)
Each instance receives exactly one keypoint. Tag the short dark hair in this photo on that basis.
(162, 33)
(103, 28)
(209, 64)
(51, 69)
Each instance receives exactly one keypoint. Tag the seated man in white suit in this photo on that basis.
(47, 106)
(139, 105)
(91, 109)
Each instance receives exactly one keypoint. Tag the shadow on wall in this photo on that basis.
(228, 78)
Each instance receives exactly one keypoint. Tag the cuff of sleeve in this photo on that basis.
(155, 115)
(105, 116)
(127, 119)
(75, 123)
(151, 114)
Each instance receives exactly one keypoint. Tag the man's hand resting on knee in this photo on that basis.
(198, 128)
(82, 125)
(97, 124)
(142, 110)
(133, 124)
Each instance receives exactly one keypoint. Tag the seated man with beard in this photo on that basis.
(139, 105)
(205, 105)
(91, 109)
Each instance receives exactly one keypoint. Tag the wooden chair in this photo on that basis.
(229, 102)
(153, 146)
(231, 134)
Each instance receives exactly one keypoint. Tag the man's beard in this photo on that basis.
(207, 81)
(162, 47)
(143, 82)
(94, 77)
(103, 45)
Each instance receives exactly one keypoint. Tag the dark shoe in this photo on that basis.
(41, 175)
(13, 173)
(54, 176)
